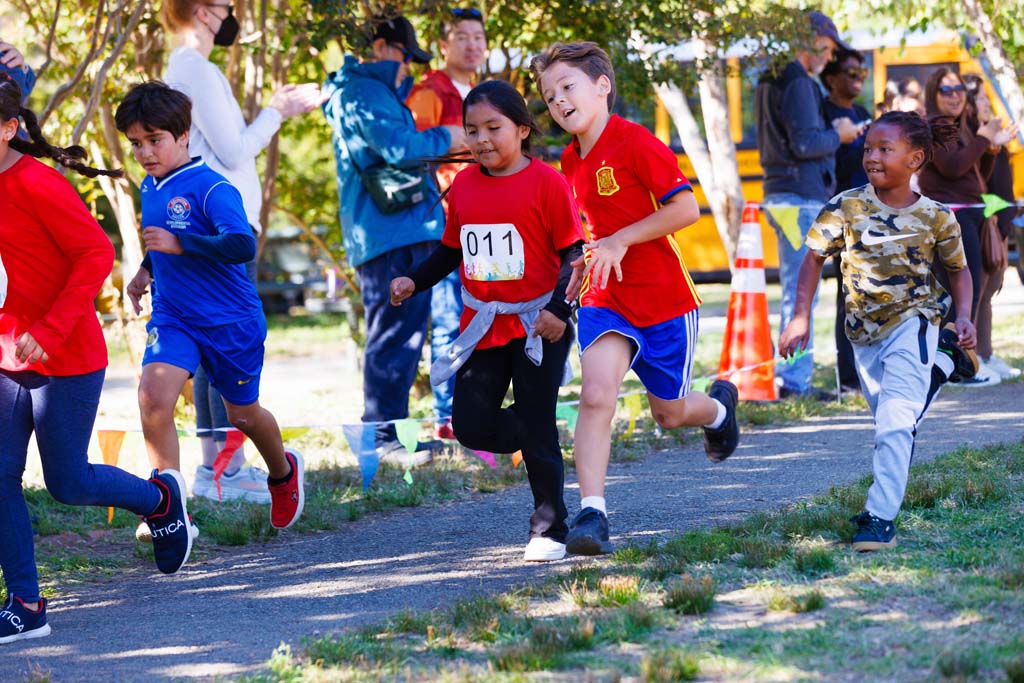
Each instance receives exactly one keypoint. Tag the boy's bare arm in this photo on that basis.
(796, 336)
(962, 288)
(607, 253)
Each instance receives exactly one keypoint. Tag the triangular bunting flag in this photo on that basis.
(994, 204)
(361, 439)
(290, 433)
(700, 384)
(182, 432)
(569, 413)
(517, 458)
(634, 405)
(408, 477)
(233, 439)
(797, 356)
(487, 457)
(110, 447)
(408, 429)
(787, 218)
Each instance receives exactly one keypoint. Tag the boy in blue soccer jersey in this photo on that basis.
(205, 309)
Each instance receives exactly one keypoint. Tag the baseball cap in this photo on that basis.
(823, 26)
(399, 30)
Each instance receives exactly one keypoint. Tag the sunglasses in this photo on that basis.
(466, 13)
(949, 90)
(406, 55)
(856, 74)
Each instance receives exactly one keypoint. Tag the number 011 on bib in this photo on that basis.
(492, 251)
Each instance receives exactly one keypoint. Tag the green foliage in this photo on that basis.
(806, 602)
(670, 665)
(814, 561)
(958, 664)
(619, 590)
(691, 594)
(1014, 669)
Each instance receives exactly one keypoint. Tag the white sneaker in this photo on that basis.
(1002, 368)
(144, 535)
(248, 484)
(984, 377)
(543, 549)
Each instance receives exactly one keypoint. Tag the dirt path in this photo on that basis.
(225, 616)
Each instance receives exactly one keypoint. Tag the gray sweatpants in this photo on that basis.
(895, 375)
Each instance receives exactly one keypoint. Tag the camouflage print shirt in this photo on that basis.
(887, 255)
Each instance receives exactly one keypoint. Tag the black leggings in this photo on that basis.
(970, 229)
(528, 424)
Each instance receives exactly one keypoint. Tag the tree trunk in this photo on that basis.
(726, 199)
(1005, 73)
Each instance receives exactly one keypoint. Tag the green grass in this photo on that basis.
(948, 599)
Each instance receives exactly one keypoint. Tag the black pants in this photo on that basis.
(970, 228)
(528, 424)
(844, 349)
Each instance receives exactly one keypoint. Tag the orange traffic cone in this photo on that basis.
(748, 339)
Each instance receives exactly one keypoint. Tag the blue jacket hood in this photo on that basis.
(371, 127)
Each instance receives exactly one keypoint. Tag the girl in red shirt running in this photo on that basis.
(54, 258)
(515, 229)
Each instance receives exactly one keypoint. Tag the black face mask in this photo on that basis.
(228, 31)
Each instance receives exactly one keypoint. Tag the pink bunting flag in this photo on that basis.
(487, 457)
(233, 440)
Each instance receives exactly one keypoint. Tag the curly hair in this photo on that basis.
(921, 133)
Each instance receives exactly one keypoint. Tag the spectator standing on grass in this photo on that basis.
(958, 175)
(1000, 183)
(374, 129)
(797, 149)
(229, 145)
(843, 79)
(437, 101)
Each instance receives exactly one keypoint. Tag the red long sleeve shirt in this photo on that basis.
(56, 257)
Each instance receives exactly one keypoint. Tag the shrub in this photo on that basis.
(691, 595)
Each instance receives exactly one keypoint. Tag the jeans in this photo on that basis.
(445, 311)
(394, 334)
(61, 411)
(528, 424)
(796, 377)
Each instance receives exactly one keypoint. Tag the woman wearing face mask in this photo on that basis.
(229, 145)
(959, 174)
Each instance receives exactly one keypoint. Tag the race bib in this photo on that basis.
(492, 251)
(3, 283)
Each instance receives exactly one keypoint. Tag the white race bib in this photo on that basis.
(3, 283)
(492, 251)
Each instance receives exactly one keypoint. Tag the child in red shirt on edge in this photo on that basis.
(515, 229)
(631, 192)
(54, 258)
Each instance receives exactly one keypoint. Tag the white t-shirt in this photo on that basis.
(463, 88)
(219, 132)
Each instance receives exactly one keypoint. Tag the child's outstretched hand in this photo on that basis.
(966, 335)
(548, 327)
(572, 290)
(158, 239)
(795, 337)
(401, 288)
(137, 287)
(606, 254)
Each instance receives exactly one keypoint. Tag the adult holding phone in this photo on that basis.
(229, 145)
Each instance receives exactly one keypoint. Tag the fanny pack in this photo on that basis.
(393, 189)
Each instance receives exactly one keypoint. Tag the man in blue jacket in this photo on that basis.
(797, 148)
(372, 126)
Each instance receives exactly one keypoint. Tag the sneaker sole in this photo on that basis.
(867, 546)
(300, 470)
(549, 556)
(587, 546)
(40, 632)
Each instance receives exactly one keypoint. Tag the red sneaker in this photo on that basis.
(445, 431)
(287, 499)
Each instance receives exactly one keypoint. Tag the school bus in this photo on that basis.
(891, 57)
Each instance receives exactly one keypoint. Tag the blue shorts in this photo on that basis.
(232, 354)
(663, 353)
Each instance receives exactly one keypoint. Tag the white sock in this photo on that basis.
(596, 502)
(944, 363)
(719, 416)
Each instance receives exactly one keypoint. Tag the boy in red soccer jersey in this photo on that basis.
(633, 196)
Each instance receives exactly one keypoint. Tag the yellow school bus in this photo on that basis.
(891, 57)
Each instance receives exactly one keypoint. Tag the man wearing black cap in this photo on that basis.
(797, 149)
(372, 129)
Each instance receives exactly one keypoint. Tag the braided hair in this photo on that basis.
(37, 146)
(921, 133)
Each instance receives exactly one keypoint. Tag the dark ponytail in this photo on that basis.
(920, 133)
(37, 146)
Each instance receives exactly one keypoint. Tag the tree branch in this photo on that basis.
(66, 89)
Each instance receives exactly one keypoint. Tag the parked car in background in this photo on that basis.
(289, 273)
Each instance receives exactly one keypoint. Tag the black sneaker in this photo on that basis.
(720, 443)
(965, 363)
(873, 533)
(588, 534)
(169, 525)
(17, 622)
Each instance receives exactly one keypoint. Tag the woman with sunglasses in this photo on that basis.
(229, 145)
(958, 174)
